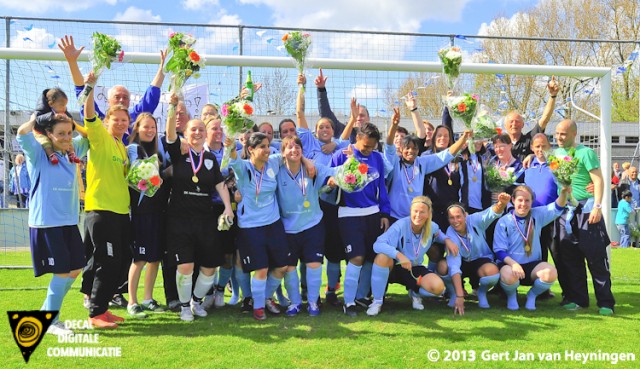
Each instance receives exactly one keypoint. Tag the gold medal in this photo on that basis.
(474, 178)
(527, 248)
(410, 189)
(195, 179)
(450, 182)
(306, 203)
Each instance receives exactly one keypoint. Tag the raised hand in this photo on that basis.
(320, 81)
(69, 48)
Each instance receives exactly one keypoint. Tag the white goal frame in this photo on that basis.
(387, 65)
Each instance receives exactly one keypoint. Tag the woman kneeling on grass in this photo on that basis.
(516, 243)
(400, 253)
(56, 245)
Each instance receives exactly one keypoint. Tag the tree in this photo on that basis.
(278, 93)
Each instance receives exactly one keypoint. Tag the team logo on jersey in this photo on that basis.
(208, 163)
(271, 173)
(28, 328)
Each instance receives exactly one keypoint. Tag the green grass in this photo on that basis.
(398, 337)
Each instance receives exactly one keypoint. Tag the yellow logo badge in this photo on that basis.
(28, 327)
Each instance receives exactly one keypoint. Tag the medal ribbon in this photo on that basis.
(193, 167)
(529, 226)
(303, 188)
(258, 183)
(463, 244)
(406, 174)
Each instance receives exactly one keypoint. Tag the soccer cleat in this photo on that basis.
(135, 311)
(153, 306)
(197, 309)
(119, 300)
(186, 314)
(572, 306)
(605, 311)
(114, 318)
(208, 302)
(174, 305)
(331, 298)
(259, 314)
(374, 309)
(416, 301)
(350, 310)
(293, 309)
(272, 307)
(218, 296)
(247, 305)
(363, 302)
(314, 309)
(58, 329)
(102, 321)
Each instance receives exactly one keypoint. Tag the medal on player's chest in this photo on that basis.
(195, 168)
(409, 179)
(448, 170)
(301, 185)
(528, 225)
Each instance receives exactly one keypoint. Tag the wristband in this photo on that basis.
(597, 206)
(553, 97)
(414, 109)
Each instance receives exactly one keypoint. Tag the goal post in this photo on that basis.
(604, 74)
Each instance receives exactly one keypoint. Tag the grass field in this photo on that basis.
(399, 337)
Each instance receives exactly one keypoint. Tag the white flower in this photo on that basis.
(453, 55)
(510, 170)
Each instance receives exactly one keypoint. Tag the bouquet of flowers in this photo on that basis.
(236, 120)
(484, 126)
(144, 176)
(498, 179)
(464, 108)
(106, 50)
(184, 62)
(451, 58)
(563, 168)
(297, 45)
(353, 176)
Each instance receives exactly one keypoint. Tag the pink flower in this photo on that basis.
(172, 34)
(475, 97)
(142, 185)
(121, 56)
(349, 178)
(567, 158)
(503, 174)
(225, 110)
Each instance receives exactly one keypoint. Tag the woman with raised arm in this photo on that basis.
(56, 245)
(191, 225)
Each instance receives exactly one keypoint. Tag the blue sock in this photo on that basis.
(223, 276)
(426, 293)
(55, 294)
(379, 278)
(512, 294)
(68, 285)
(235, 287)
(292, 284)
(351, 283)
(450, 291)
(272, 284)
(364, 284)
(244, 281)
(282, 299)
(486, 283)
(538, 287)
(258, 287)
(314, 281)
(333, 274)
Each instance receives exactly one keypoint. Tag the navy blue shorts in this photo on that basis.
(333, 246)
(527, 268)
(263, 247)
(194, 239)
(470, 269)
(402, 276)
(227, 238)
(56, 250)
(358, 235)
(307, 246)
(148, 230)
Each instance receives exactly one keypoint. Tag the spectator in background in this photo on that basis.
(617, 172)
(634, 185)
(624, 176)
(19, 181)
(622, 219)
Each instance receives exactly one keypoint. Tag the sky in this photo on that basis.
(460, 17)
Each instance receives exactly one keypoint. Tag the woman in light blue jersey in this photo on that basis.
(517, 245)
(400, 255)
(56, 244)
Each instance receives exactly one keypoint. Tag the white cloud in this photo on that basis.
(506, 26)
(43, 6)
(381, 15)
(133, 14)
(36, 38)
(198, 4)
(365, 91)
